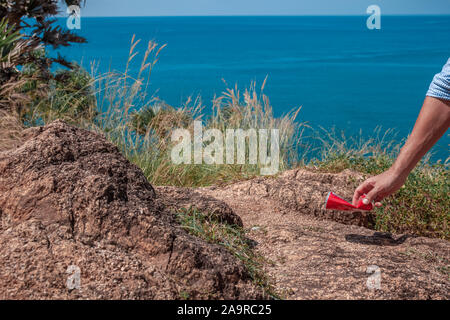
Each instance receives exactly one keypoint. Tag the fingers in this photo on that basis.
(373, 195)
(376, 196)
(364, 188)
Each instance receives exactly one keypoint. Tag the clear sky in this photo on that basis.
(259, 7)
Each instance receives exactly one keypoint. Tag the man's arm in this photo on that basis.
(432, 123)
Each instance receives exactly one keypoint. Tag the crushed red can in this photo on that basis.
(334, 202)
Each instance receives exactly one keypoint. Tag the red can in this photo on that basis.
(333, 202)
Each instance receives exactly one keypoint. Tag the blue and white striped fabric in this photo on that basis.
(440, 86)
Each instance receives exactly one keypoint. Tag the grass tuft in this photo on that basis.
(233, 238)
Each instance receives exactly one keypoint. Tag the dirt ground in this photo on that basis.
(311, 256)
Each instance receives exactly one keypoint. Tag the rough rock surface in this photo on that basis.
(176, 199)
(305, 191)
(68, 197)
(313, 257)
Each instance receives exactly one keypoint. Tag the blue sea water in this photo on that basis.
(339, 71)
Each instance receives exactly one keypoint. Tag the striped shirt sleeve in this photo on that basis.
(440, 86)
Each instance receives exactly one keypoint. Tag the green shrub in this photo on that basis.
(68, 94)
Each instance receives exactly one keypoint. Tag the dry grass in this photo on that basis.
(141, 124)
(10, 131)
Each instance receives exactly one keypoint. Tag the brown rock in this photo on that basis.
(175, 199)
(305, 191)
(68, 197)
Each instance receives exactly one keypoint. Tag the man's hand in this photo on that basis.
(379, 187)
(433, 121)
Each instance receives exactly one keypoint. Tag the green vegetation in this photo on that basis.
(421, 206)
(67, 95)
(27, 29)
(233, 238)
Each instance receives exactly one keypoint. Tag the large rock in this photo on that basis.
(69, 198)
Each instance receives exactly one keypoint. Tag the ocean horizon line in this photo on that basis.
(264, 16)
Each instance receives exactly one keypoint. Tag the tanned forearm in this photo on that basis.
(432, 123)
